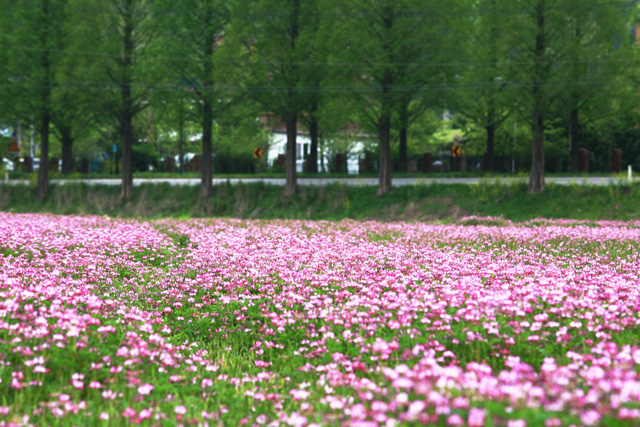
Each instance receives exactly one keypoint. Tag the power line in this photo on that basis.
(319, 64)
(114, 87)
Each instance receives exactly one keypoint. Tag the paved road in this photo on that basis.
(599, 181)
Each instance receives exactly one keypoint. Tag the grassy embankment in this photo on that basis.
(335, 202)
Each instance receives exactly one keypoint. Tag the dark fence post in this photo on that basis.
(171, 164)
(427, 162)
(583, 160)
(616, 160)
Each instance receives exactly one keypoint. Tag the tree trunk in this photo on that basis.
(292, 107)
(312, 160)
(386, 108)
(181, 135)
(206, 170)
(290, 165)
(67, 153)
(127, 155)
(491, 138)
(404, 126)
(574, 136)
(206, 186)
(491, 135)
(574, 122)
(127, 104)
(384, 177)
(536, 177)
(384, 133)
(43, 172)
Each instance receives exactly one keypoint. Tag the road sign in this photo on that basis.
(13, 148)
(456, 151)
(257, 153)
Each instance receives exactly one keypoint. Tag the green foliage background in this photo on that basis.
(461, 60)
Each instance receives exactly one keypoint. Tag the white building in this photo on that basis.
(278, 145)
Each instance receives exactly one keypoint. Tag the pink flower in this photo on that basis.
(590, 418)
(145, 389)
(299, 394)
(476, 417)
(122, 352)
(129, 412)
(296, 420)
(358, 412)
(455, 420)
(402, 383)
(416, 408)
(460, 402)
(144, 414)
(104, 416)
(109, 394)
(180, 410)
(402, 398)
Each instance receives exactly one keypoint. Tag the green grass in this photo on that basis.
(335, 202)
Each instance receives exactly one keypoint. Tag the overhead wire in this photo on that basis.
(115, 87)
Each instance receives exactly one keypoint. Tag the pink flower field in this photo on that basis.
(485, 322)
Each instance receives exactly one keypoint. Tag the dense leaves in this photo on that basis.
(382, 70)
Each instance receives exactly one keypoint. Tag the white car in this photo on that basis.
(7, 164)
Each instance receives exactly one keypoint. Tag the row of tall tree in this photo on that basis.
(315, 65)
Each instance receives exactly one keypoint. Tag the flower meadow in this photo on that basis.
(210, 322)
